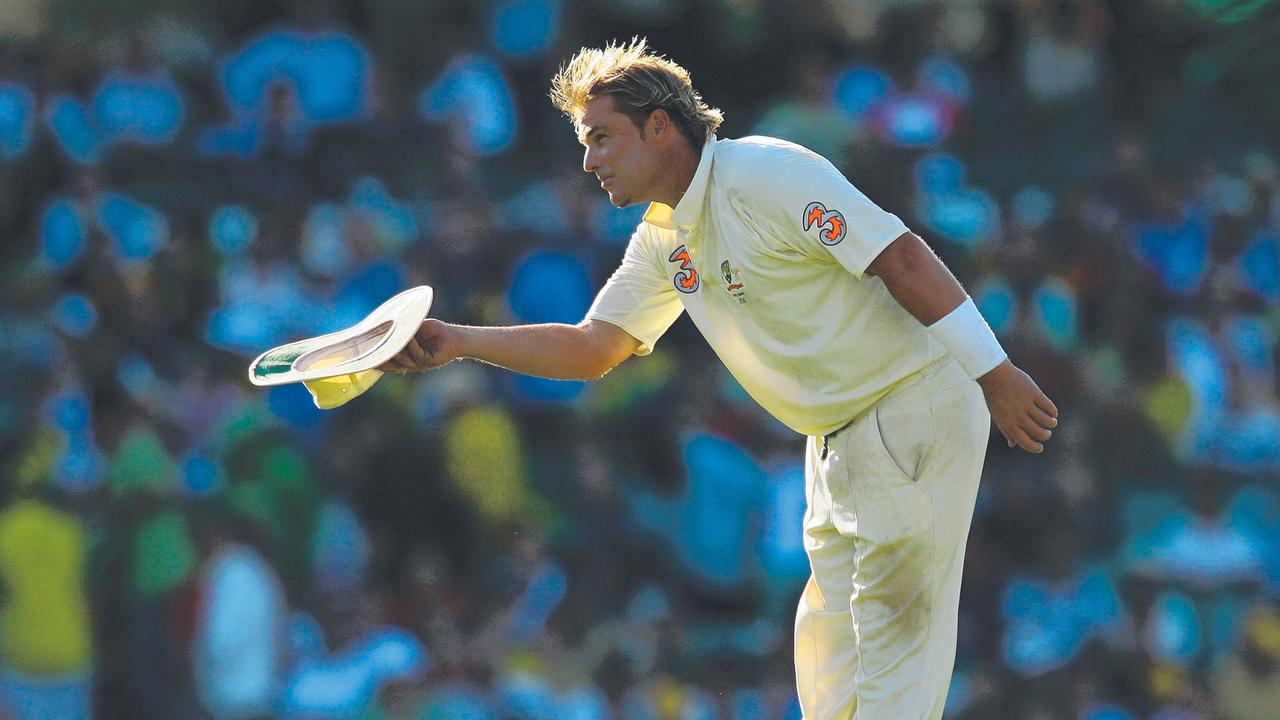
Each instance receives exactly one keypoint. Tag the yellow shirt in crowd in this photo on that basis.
(44, 621)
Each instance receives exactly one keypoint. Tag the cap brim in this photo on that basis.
(363, 346)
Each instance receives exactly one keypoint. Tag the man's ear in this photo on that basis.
(659, 125)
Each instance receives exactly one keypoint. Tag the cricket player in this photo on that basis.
(839, 321)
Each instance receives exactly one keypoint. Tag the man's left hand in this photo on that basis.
(1025, 416)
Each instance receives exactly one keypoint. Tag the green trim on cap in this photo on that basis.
(279, 361)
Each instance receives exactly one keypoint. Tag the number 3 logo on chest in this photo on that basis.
(686, 279)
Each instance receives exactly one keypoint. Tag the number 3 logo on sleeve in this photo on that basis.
(687, 279)
(817, 214)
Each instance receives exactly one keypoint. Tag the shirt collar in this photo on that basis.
(686, 212)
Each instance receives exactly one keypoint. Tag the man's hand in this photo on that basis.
(435, 344)
(1024, 415)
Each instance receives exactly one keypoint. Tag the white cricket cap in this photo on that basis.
(339, 366)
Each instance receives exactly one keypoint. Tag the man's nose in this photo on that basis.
(589, 162)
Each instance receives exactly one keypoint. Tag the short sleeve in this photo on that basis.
(638, 297)
(819, 211)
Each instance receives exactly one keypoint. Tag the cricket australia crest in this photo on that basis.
(733, 282)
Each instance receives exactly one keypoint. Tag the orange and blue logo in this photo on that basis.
(686, 279)
(831, 221)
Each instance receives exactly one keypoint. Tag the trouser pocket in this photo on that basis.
(880, 494)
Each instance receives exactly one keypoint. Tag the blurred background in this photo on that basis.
(185, 184)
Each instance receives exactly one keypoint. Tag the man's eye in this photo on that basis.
(600, 138)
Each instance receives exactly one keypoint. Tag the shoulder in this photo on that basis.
(765, 164)
(751, 152)
(646, 241)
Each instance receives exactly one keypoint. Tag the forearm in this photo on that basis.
(923, 285)
(918, 280)
(553, 350)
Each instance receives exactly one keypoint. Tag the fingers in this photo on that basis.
(416, 352)
(406, 362)
(1026, 442)
(1044, 404)
(1025, 415)
(1036, 432)
(1042, 418)
(412, 358)
(1019, 437)
(396, 365)
(1026, 434)
(1008, 440)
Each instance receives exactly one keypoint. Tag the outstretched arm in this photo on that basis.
(918, 280)
(585, 351)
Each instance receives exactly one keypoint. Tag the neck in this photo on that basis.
(678, 171)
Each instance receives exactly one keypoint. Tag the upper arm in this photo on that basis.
(917, 278)
(899, 258)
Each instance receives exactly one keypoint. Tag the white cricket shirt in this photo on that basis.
(766, 251)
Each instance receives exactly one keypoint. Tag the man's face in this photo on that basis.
(618, 154)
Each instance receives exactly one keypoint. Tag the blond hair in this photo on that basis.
(639, 82)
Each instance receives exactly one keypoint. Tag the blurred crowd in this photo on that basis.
(186, 184)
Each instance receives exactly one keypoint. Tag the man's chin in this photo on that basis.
(620, 201)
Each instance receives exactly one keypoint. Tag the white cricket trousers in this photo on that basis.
(889, 506)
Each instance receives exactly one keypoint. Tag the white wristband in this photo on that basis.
(966, 334)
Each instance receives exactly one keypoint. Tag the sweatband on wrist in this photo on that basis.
(967, 336)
